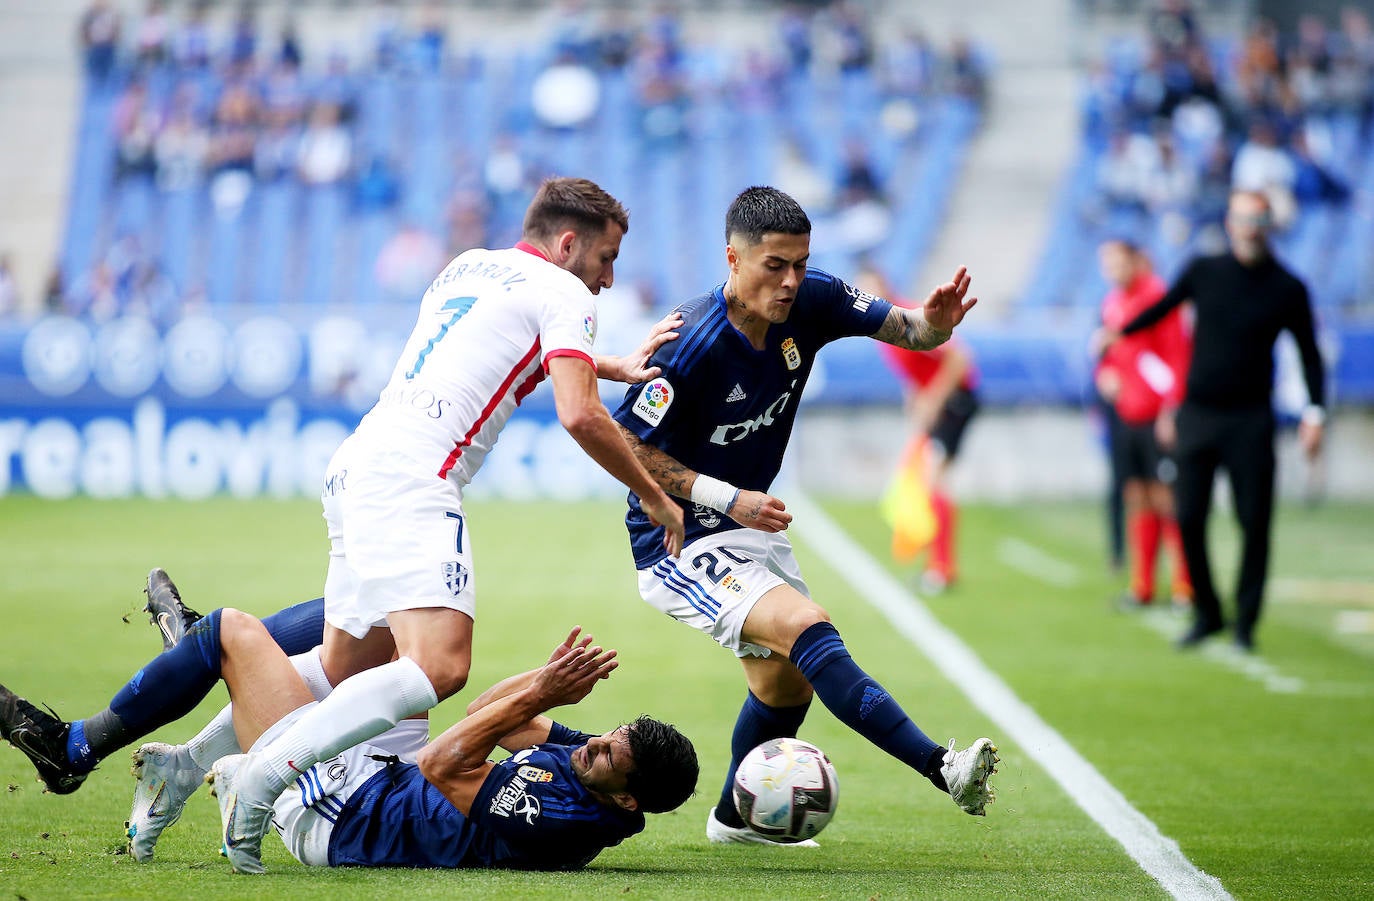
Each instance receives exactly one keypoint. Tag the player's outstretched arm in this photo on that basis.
(934, 321)
(589, 423)
(634, 368)
(751, 509)
(456, 762)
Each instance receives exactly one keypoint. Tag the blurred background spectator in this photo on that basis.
(215, 103)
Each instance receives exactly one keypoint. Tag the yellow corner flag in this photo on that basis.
(906, 504)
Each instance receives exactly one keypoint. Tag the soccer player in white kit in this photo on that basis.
(400, 581)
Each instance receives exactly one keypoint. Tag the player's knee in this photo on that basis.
(447, 677)
(235, 627)
(234, 633)
(804, 617)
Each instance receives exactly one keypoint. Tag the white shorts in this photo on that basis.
(398, 539)
(305, 813)
(718, 579)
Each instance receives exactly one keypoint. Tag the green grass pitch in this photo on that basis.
(1259, 769)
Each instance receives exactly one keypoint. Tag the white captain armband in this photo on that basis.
(714, 493)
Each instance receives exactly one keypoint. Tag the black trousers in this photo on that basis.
(1242, 442)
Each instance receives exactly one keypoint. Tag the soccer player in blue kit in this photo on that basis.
(562, 798)
(713, 427)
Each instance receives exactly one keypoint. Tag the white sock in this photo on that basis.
(359, 708)
(216, 740)
(311, 670)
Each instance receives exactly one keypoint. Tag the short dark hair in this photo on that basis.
(572, 203)
(665, 769)
(759, 210)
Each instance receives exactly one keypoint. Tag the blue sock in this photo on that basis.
(168, 688)
(299, 628)
(757, 723)
(859, 702)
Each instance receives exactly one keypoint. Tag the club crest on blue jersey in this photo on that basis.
(790, 354)
(534, 774)
(654, 401)
(455, 577)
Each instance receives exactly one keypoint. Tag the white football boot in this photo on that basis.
(243, 821)
(167, 777)
(721, 834)
(967, 772)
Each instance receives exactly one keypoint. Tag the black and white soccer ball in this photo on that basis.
(786, 789)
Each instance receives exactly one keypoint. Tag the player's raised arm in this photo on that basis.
(584, 416)
(456, 762)
(934, 321)
(752, 509)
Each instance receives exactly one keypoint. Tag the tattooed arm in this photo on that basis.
(931, 324)
(752, 509)
(908, 329)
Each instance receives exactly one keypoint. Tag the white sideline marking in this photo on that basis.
(1157, 854)
(1030, 560)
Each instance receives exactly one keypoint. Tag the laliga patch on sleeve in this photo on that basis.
(654, 401)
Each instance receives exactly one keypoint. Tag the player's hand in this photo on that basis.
(664, 511)
(1166, 429)
(756, 510)
(925, 412)
(634, 367)
(1108, 384)
(946, 307)
(569, 643)
(1310, 436)
(572, 673)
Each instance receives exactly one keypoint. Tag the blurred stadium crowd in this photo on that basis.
(219, 164)
(1174, 119)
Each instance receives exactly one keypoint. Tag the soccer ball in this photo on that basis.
(786, 789)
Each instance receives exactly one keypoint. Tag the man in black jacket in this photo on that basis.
(1242, 300)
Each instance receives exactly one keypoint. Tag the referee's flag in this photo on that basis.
(906, 505)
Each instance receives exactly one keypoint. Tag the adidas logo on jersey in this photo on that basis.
(736, 393)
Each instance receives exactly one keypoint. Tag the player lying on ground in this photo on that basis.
(713, 427)
(555, 806)
(161, 692)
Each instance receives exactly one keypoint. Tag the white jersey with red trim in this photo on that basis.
(488, 326)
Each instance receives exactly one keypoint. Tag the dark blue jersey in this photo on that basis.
(532, 813)
(725, 409)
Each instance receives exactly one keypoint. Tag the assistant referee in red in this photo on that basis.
(1242, 300)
